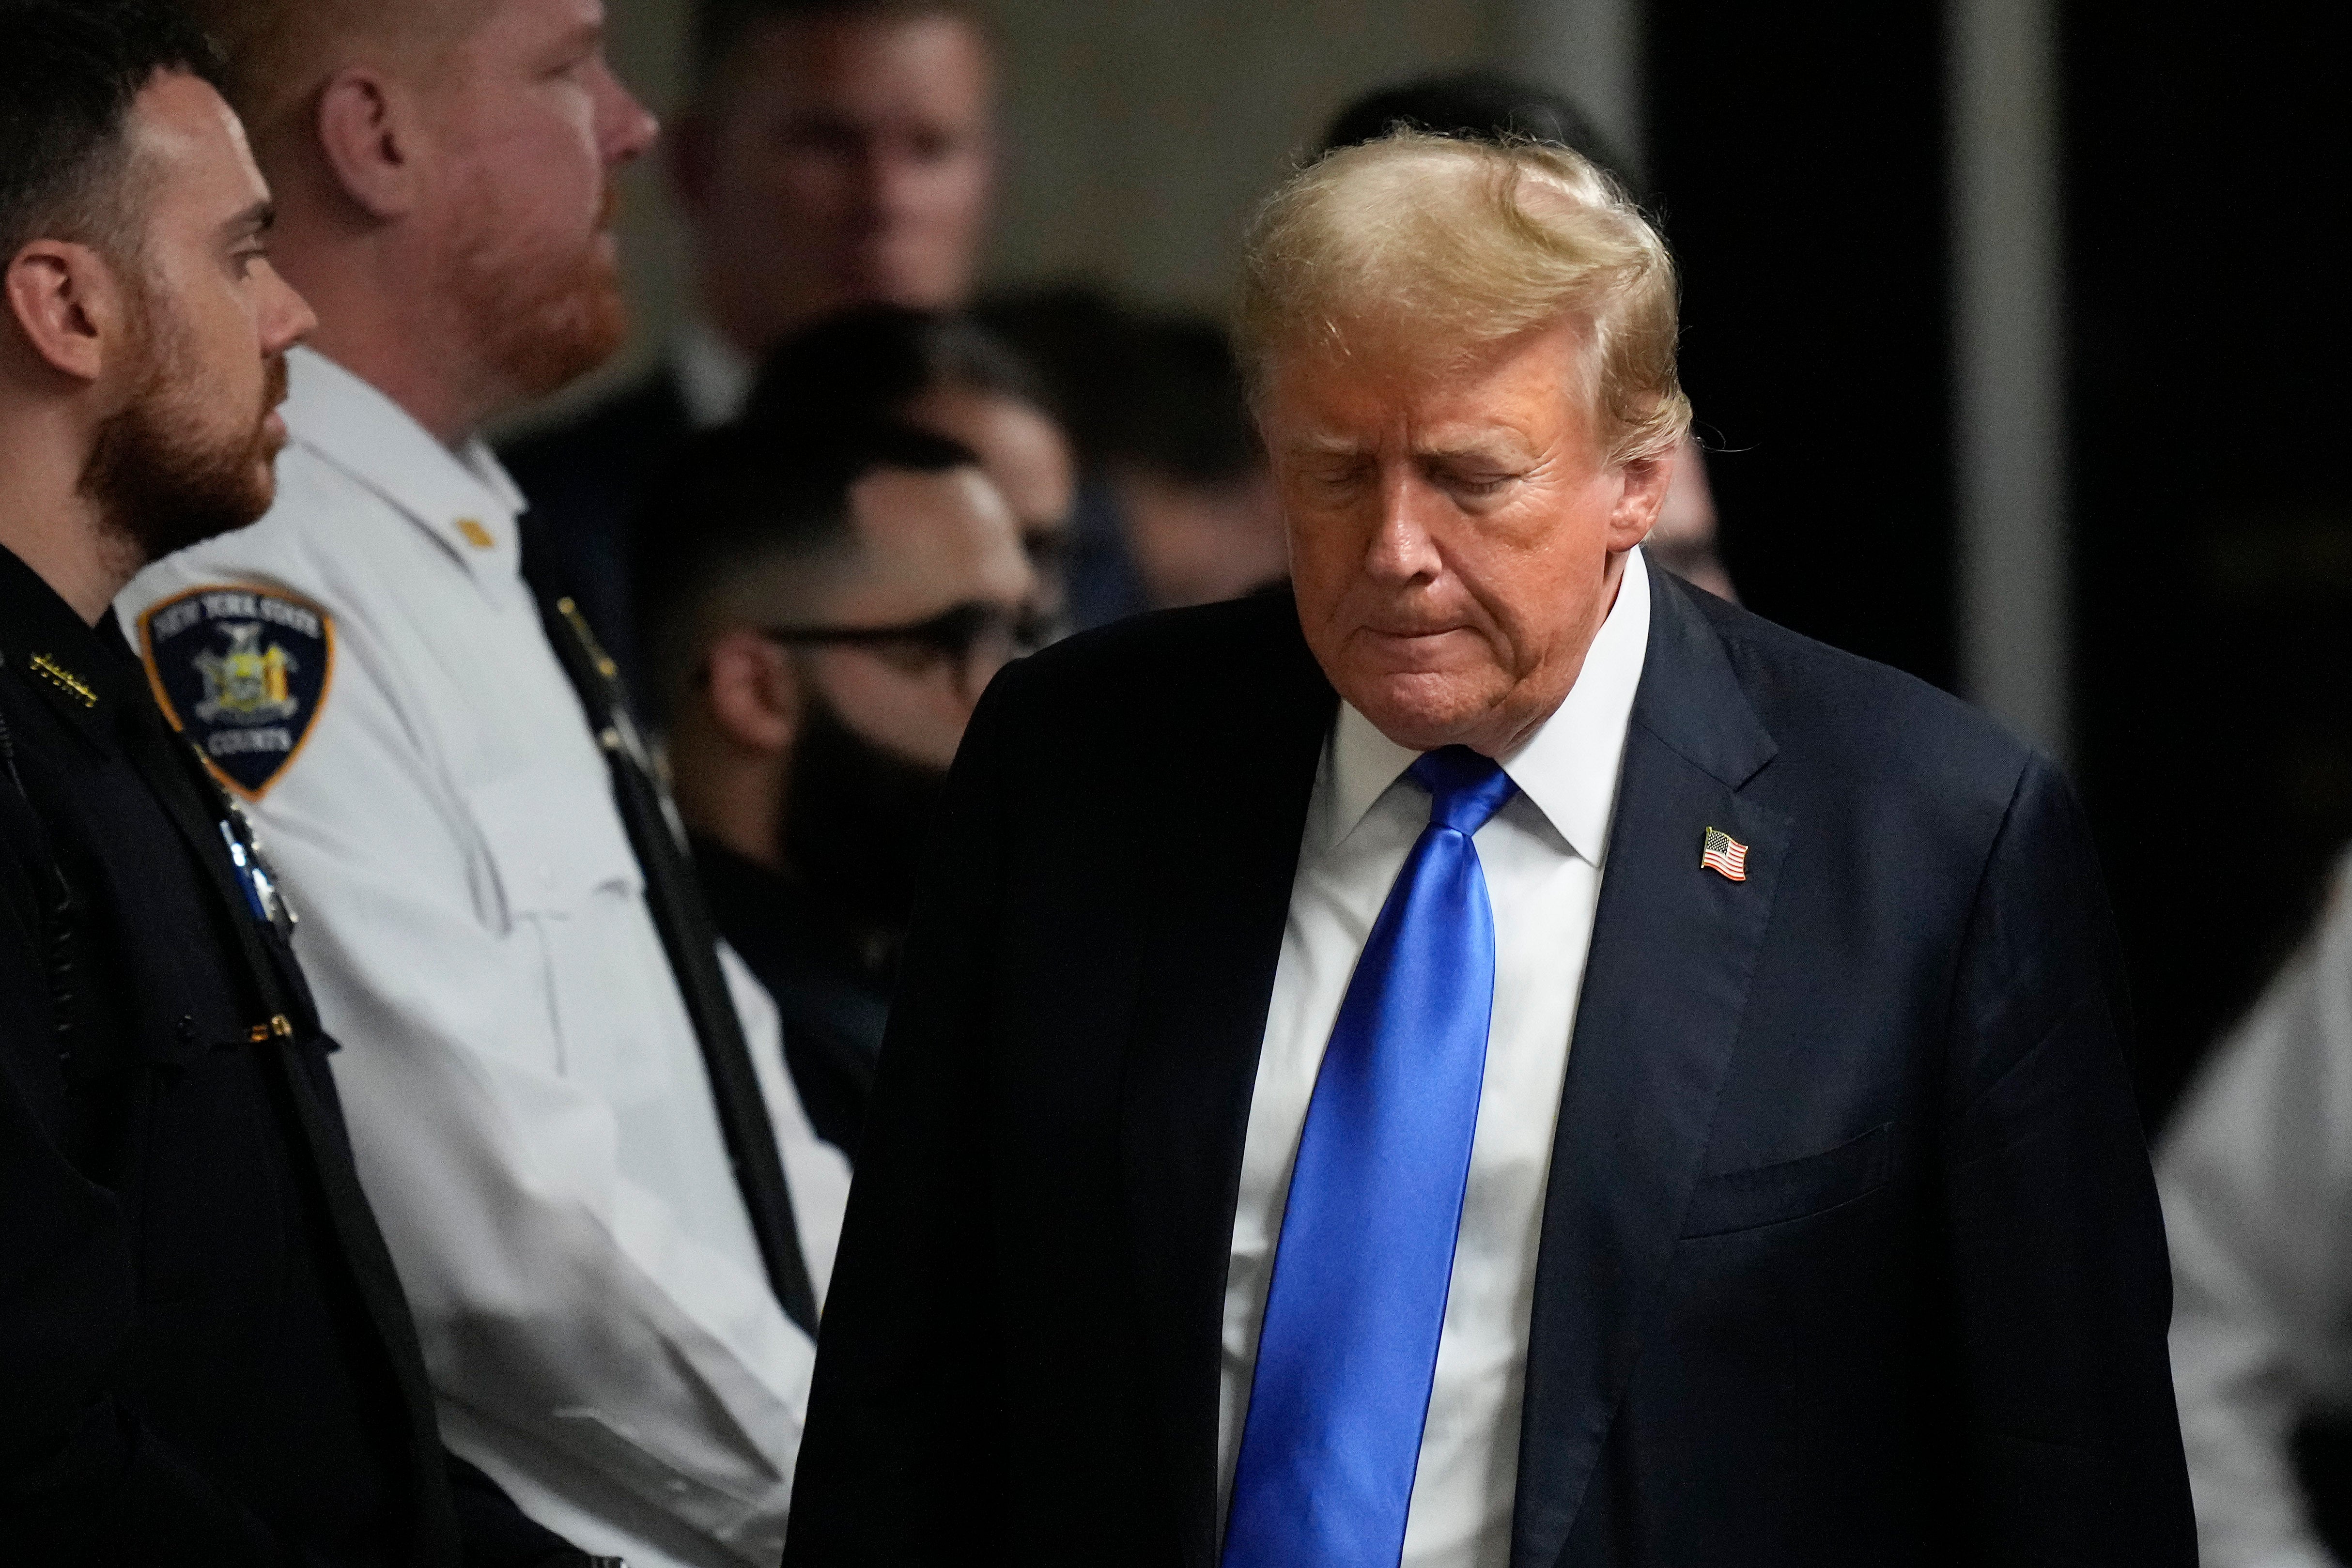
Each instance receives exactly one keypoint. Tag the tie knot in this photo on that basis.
(1465, 789)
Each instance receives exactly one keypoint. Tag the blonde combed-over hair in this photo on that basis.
(1462, 244)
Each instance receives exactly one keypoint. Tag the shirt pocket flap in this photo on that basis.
(555, 839)
(1791, 1190)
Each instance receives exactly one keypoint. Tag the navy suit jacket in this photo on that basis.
(1851, 1254)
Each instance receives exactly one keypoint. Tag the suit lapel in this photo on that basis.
(1213, 936)
(1665, 985)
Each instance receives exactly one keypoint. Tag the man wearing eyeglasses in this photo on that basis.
(823, 615)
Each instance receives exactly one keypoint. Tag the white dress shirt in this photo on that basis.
(2256, 1173)
(529, 1105)
(1542, 856)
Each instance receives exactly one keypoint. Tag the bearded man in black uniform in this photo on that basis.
(205, 1355)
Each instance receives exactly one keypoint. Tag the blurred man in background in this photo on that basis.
(838, 153)
(571, 1109)
(1490, 105)
(205, 1356)
(828, 606)
(2256, 1172)
(1187, 471)
(943, 372)
(1172, 506)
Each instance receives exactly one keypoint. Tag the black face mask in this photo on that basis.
(856, 819)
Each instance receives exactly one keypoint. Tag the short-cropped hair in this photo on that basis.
(69, 71)
(281, 53)
(747, 522)
(1466, 244)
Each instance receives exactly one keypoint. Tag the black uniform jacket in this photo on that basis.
(1851, 1254)
(205, 1355)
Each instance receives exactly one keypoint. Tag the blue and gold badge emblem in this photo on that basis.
(243, 672)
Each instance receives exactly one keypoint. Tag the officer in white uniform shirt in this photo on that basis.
(532, 1113)
(552, 1081)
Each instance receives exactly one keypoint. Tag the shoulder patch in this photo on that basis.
(243, 672)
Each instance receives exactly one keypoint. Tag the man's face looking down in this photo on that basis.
(1457, 529)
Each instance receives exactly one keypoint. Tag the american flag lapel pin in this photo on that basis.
(1724, 854)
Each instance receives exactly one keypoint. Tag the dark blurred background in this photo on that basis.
(2013, 329)
(2205, 172)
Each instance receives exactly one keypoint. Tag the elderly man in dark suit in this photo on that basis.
(1505, 1060)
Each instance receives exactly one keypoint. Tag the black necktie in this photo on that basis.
(692, 943)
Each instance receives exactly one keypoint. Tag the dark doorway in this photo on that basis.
(1796, 155)
(2206, 183)
(1800, 162)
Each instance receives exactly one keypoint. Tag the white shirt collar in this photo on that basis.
(1567, 768)
(714, 376)
(464, 498)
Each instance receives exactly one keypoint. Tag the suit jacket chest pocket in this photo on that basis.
(1791, 1190)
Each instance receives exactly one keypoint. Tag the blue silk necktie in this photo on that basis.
(1349, 1341)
